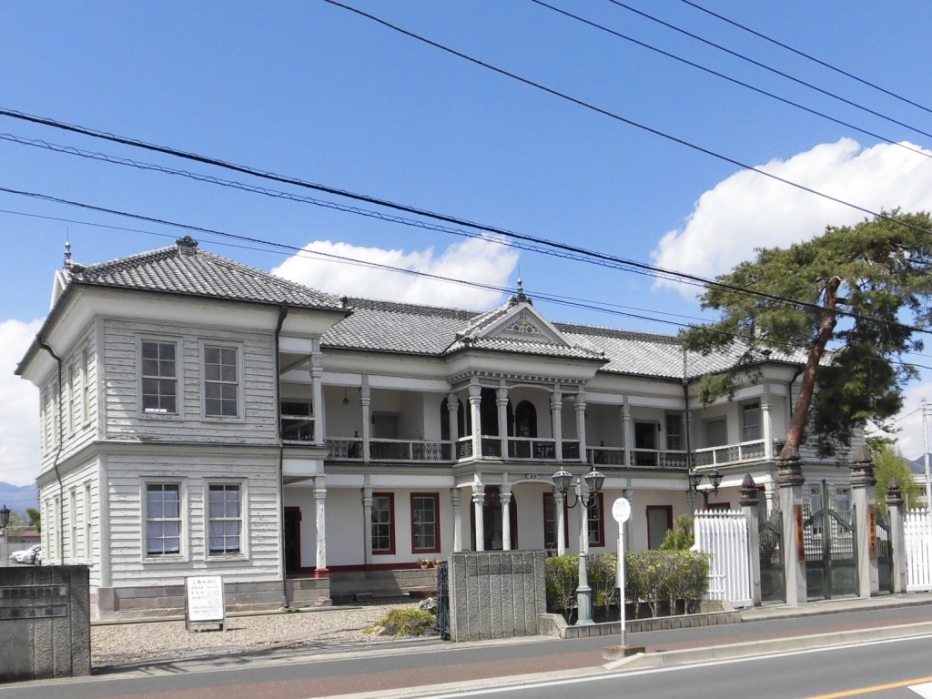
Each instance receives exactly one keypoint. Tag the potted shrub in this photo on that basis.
(425, 563)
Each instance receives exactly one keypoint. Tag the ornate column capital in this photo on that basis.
(475, 393)
(862, 469)
(478, 494)
(749, 493)
(455, 497)
(453, 402)
(790, 472)
(505, 495)
(501, 396)
(365, 394)
(894, 494)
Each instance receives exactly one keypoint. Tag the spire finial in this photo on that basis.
(67, 252)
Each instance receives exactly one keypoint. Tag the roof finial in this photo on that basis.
(67, 251)
(186, 245)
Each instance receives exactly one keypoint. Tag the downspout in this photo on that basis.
(61, 445)
(282, 312)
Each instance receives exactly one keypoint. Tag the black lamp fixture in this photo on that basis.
(695, 479)
(345, 397)
(563, 479)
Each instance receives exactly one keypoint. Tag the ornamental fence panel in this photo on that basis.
(918, 544)
(723, 534)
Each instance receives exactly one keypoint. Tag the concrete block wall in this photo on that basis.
(383, 583)
(168, 600)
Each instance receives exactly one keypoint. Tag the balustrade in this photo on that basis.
(344, 449)
(607, 456)
(296, 428)
(730, 454)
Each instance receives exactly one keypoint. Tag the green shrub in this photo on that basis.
(681, 537)
(602, 579)
(562, 578)
(404, 622)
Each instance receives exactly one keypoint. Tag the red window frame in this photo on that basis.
(601, 539)
(436, 498)
(669, 511)
(391, 529)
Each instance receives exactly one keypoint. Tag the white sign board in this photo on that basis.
(621, 510)
(203, 597)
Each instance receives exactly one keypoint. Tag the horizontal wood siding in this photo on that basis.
(124, 420)
(261, 523)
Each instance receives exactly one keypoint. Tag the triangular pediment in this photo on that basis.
(523, 322)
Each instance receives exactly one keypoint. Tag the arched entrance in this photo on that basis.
(492, 520)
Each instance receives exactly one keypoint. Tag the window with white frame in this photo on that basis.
(73, 521)
(76, 380)
(225, 519)
(159, 377)
(85, 386)
(425, 522)
(674, 431)
(221, 381)
(69, 398)
(715, 432)
(88, 548)
(750, 422)
(163, 519)
(383, 523)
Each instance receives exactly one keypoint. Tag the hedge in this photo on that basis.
(679, 579)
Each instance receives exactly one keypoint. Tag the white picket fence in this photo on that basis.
(918, 551)
(724, 535)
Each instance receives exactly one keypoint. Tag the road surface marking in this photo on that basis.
(924, 690)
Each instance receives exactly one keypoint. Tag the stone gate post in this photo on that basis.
(862, 496)
(897, 535)
(749, 502)
(790, 479)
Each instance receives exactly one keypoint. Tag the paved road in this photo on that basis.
(296, 676)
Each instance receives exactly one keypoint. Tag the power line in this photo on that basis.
(702, 149)
(775, 71)
(293, 249)
(806, 55)
(730, 79)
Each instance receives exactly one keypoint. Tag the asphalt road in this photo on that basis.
(290, 675)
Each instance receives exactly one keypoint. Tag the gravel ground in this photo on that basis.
(121, 644)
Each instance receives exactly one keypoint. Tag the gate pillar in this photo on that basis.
(749, 502)
(862, 497)
(790, 479)
(897, 535)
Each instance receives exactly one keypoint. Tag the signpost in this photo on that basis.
(203, 601)
(621, 512)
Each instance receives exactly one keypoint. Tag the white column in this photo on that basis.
(556, 417)
(505, 496)
(457, 520)
(766, 404)
(561, 523)
(478, 500)
(317, 395)
(475, 402)
(365, 399)
(367, 522)
(453, 405)
(581, 423)
(626, 431)
(501, 401)
(320, 498)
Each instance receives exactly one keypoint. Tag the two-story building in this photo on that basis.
(202, 416)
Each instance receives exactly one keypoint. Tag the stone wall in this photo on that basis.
(497, 594)
(45, 625)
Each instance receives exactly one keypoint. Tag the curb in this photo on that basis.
(783, 612)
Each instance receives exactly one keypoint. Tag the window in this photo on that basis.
(714, 432)
(525, 420)
(159, 378)
(88, 548)
(297, 421)
(675, 432)
(70, 395)
(73, 520)
(225, 522)
(595, 523)
(550, 522)
(383, 523)
(85, 387)
(425, 522)
(750, 422)
(221, 382)
(385, 426)
(659, 521)
(163, 519)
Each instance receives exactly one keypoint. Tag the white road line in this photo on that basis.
(923, 690)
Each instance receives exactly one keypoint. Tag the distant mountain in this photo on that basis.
(18, 497)
(917, 465)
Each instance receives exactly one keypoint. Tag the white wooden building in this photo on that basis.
(202, 416)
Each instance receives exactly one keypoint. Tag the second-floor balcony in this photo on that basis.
(730, 454)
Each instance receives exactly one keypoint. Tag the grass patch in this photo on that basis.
(404, 622)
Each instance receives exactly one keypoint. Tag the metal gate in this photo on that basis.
(831, 551)
(884, 555)
(770, 534)
(443, 601)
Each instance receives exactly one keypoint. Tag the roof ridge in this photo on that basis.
(120, 263)
(411, 308)
(583, 329)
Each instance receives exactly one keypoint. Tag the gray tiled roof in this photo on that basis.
(182, 269)
(398, 327)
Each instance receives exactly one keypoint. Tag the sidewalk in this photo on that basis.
(835, 606)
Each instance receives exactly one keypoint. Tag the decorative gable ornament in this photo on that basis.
(522, 327)
(522, 322)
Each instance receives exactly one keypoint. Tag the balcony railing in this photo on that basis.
(464, 448)
(296, 428)
(344, 449)
(408, 450)
(654, 458)
(607, 456)
(570, 450)
(730, 454)
(536, 449)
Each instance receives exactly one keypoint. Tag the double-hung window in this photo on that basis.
(383, 523)
(425, 522)
(596, 526)
(163, 519)
(159, 378)
(225, 519)
(221, 381)
(674, 426)
(750, 422)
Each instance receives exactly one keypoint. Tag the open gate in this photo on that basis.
(443, 601)
(884, 554)
(770, 534)
(831, 551)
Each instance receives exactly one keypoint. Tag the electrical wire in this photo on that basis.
(766, 67)
(806, 55)
(730, 79)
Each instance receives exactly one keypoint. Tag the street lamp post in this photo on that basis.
(5, 522)
(562, 480)
(695, 478)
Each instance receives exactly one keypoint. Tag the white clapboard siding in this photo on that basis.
(724, 535)
(261, 524)
(256, 426)
(918, 542)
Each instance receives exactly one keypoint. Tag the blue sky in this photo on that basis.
(310, 90)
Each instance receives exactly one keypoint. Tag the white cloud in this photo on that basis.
(475, 259)
(748, 210)
(909, 421)
(19, 407)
